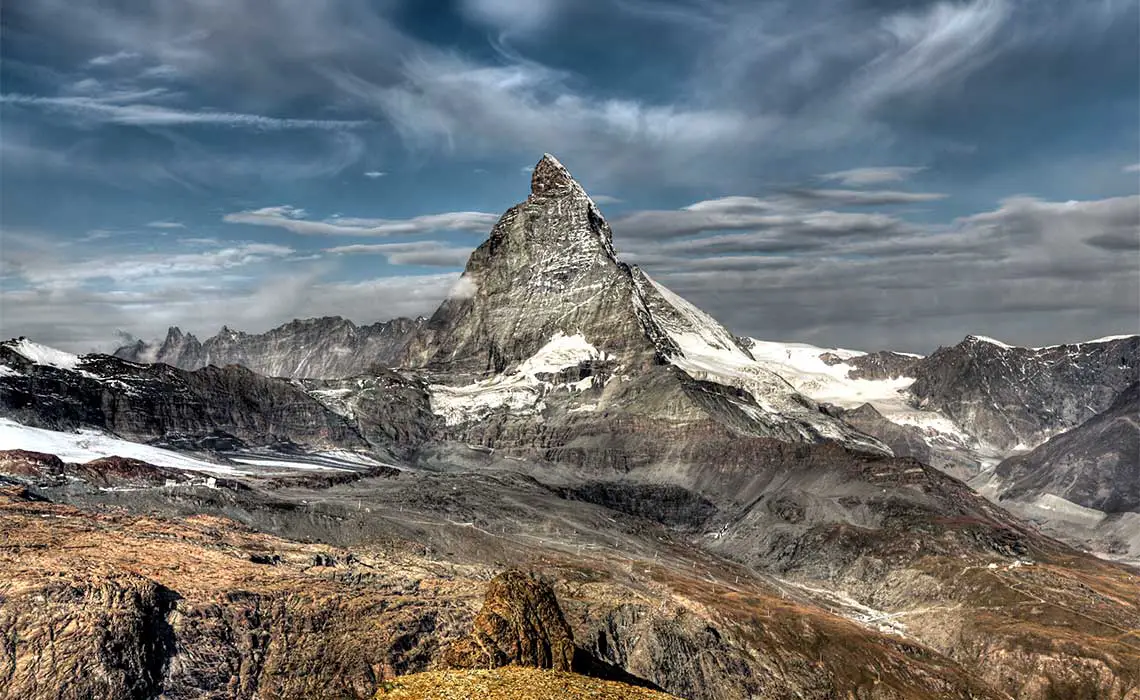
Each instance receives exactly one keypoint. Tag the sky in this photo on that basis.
(865, 174)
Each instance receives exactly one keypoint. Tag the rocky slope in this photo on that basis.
(213, 408)
(137, 607)
(328, 347)
(1084, 482)
(1095, 465)
(1009, 396)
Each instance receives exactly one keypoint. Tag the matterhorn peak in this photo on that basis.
(551, 179)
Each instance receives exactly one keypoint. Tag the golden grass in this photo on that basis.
(510, 683)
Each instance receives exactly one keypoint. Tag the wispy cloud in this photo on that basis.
(930, 46)
(373, 174)
(512, 16)
(292, 219)
(1134, 168)
(862, 177)
(444, 101)
(803, 207)
(425, 253)
(57, 271)
(166, 224)
(86, 108)
(112, 58)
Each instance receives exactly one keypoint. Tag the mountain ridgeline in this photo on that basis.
(321, 348)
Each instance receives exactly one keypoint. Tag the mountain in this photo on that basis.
(708, 528)
(964, 407)
(328, 347)
(871, 392)
(1012, 397)
(1085, 481)
(212, 408)
(546, 319)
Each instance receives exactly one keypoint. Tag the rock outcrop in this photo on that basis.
(512, 683)
(520, 624)
(883, 364)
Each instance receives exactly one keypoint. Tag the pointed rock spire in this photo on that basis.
(551, 178)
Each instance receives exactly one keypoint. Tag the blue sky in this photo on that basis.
(858, 173)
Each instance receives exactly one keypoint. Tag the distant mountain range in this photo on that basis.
(326, 347)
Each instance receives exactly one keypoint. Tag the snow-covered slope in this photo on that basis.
(836, 376)
(803, 367)
(86, 445)
(520, 391)
(43, 355)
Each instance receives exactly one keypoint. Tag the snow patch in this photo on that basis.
(86, 445)
(6, 371)
(991, 341)
(802, 366)
(1094, 341)
(520, 391)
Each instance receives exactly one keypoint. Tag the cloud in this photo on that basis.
(424, 253)
(1034, 271)
(166, 224)
(293, 220)
(99, 110)
(792, 211)
(1134, 168)
(52, 272)
(861, 177)
(117, 57)
(846, 198)
(510, 16)
(444, 101)
(373, 174)
(928, 47)
(81, 320)
(464, 288)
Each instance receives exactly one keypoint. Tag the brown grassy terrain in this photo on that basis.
(510, 683)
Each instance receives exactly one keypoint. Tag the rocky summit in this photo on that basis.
(569, 477)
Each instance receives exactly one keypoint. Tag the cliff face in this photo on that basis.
(1095, 465)
(160, 402)
(322, 348)
(1009, 396)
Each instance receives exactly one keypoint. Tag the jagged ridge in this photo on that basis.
(322, 348)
